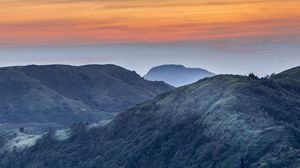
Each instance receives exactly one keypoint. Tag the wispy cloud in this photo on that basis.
(117, 21)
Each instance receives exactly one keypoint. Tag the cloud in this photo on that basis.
(144, 3)
(63, 22)
(76, 31)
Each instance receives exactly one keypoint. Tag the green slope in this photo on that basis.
(223, 121)
(63, 94)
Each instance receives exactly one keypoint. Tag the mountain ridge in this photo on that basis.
(222, 121)
(79, 91)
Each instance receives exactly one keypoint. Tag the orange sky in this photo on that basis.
(71, 22)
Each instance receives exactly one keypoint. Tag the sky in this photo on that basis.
(224, 36)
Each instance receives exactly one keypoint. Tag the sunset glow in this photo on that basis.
(77, 22)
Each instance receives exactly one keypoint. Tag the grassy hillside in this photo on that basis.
(223, 121)
(60, 94)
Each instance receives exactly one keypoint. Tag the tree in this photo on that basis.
(214, 165)
(252, 76)
(80, 127)
(242, 163)
(22, 129)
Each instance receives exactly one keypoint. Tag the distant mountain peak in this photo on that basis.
(177, 75)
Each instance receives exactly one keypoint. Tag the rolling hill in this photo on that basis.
(59, 95)
(223, 121)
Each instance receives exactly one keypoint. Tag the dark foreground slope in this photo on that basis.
(177, 75)
(60, 94)
(223, 121)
